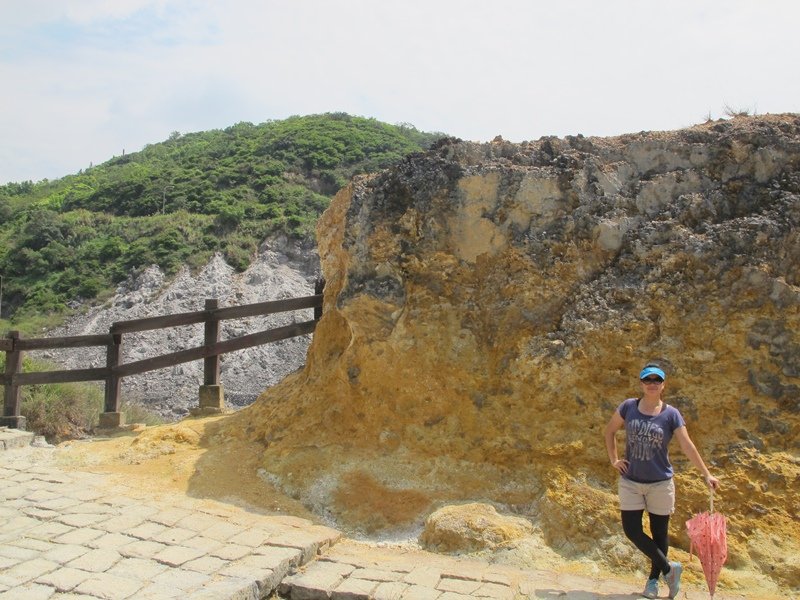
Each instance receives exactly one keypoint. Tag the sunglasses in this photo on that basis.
(647, 380)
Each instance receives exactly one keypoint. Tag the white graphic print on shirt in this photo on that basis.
(644, 439)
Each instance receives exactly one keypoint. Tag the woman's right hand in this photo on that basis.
(620, 465)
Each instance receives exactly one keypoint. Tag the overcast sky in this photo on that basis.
(81, 80)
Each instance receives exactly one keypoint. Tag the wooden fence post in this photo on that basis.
(319, 288)
(112, 417)
(11, 398)
(211, 337)
(212, 396)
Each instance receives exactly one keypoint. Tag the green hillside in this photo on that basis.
(179, 201)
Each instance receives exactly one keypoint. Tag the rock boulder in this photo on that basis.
(471, 527)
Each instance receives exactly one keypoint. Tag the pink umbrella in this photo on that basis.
(708, 536)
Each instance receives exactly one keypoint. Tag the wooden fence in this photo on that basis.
(14, 345)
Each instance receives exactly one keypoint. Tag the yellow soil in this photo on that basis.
(194, 457)
(187, 457)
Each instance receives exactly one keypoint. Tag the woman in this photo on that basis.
(646, 473)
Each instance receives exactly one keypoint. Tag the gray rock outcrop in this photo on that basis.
(282, 269)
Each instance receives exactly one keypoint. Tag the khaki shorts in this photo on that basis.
(657, 498)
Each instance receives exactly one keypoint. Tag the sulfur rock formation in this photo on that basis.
(489, 305)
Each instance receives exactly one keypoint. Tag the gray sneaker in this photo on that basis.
(651, 589)
(673, 578)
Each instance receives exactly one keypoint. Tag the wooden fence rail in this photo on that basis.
(211, 395)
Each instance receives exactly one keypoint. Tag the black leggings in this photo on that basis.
(655, 547)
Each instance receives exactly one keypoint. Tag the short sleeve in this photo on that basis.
(623, 408)
(677, 419)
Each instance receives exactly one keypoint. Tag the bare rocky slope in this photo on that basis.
(489, 305)
(282, 269)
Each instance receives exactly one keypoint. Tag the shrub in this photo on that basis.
(730, 111)
(62, 411)
(136, 413)
(239, 255)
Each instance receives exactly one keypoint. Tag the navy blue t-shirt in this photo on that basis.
(647, 438)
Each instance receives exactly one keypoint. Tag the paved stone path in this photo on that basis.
(69, 535)
(13, 438)
(348, 572)
(354, 571)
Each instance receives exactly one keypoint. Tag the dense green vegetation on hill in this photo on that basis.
(179, 201)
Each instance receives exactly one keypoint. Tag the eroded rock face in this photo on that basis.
(489, 305)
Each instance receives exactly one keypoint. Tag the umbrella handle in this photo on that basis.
(711, 494)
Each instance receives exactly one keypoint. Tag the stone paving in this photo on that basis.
(73, 535)
(13, 438)
(348, 572)
(69, 535)
(354, 571)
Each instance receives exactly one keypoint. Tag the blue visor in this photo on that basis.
(652, 371)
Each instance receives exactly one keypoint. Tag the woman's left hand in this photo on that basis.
(712, 482)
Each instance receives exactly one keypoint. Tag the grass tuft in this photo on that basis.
(63, 411)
